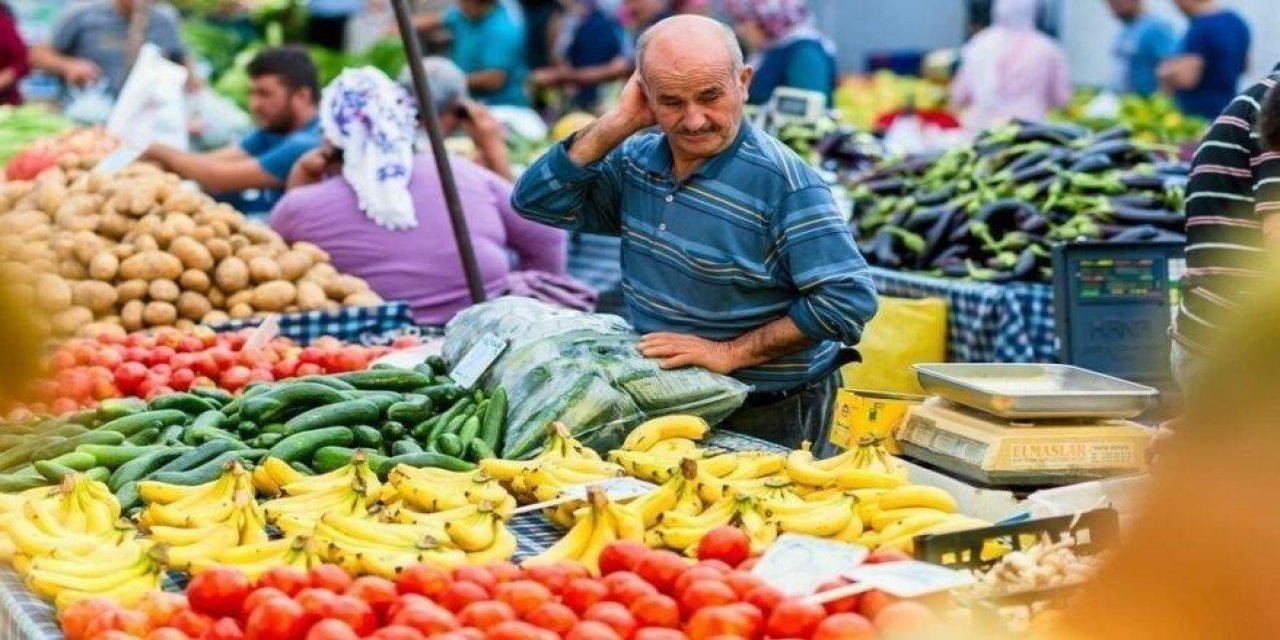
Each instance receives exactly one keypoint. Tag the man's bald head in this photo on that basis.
(688, 41)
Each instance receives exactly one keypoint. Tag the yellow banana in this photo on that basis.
(918, 496)
(179, 556)
(913, 524)
(476, 532)
(47, 584)
(756, 467)
(127, 593)
(905, 541)
(503, 547)
(821, 519)
(864, 479)
(645, 436)
(801, 468)
(602, 533)
(885, 518)
(719, 466)
(682, 447)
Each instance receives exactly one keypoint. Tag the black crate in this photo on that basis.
(1093, 531)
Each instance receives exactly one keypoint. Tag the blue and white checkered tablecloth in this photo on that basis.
(985, 322)
(25, 615)
(364, 325)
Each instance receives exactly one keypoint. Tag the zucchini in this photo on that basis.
(392, 430)
(329, 458)
(478, 450)
(144, 437)
(200, 455)
(495, 419)
(413, 409)
(406, 446)
(131, 424)
(302, 446)
(366, 436)
(450, 444)
(207, 472)
(218, 396)
(188, 403)
(386, 379)
(420, 460)
(347, 412)
(288, 400)
(56, 449)
(113, 456)
(115, 408)
(142, 466)
(328, 381)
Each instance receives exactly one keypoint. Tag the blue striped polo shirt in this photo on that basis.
(753, 235)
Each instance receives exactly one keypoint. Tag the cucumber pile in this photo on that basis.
(417, 417)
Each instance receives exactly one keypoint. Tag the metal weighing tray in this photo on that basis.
(1036, 391)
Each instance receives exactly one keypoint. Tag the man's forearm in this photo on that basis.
(772, 341)
(45, 58)
(597, 139)
(491, 80)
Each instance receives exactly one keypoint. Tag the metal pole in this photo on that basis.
(430, 121)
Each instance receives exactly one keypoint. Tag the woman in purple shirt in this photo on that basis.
(377, 207)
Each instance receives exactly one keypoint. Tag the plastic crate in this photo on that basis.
(1093, 531)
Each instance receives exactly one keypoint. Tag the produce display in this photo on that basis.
(991, 211)
(84, 371)
(137, 249)
(582, 370)
(1155, 118)
(863, 100)
(75, 148)
(19, 126)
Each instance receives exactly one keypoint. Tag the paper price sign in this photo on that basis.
(797, 565)
(118, 159)
(616, 489)
(478, 360)
(909, 579)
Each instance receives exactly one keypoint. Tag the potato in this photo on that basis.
(263, 269)
(52, 293)
(259, 233)
(217, 298)
(123, 251)
(131, 315)
(239, 297)
(98, 297)
(151, 265)
(202, 234)
(72, 270)
(101, 328)
(184, 201)
(293, 308)
(332, 306)
(159, 314)
(104, 267)
(274, 295)
(317, 254)
(193, 306)
(192, 280)
(220, 229)
(68, 321)
(77, 213)
(215, 318)
(344, 285)
(87, 245)
(192, 254)
(163, 290)
(240, 311)
(293, 264)
(252, 252)
(218, 248)
(238, 242)
(310, 296)
(232, 275)
(131, 290)
(362, 299)
(146, 242)
(180, 224)
(183, 324)
(321, 273)
(51, 191)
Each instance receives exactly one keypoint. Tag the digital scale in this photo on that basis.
(787, 106)
(1027, 425)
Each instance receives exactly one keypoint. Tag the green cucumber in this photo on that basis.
(469, 429)
(437, 364)
(114, 456)
(413, 409)
(495, 419)
(144, 437)
(288, 400)
(56, 449)
(22, 453)
(455, 425)
(200, 455)
(142, 466)
(188, 403)
(426, 459)
(98, 474)
(200, 435)
(172, 434)
(386, 379)
(131, 424)
(252, 456)
(384, 399)
(65, 430)
(17, 429)
(27, 478)
(265, 440)
(277, 427)
(211, 418)
(328, 381)
(127, 496)
(478, 450)
(393, 430)
(442, 394)
(56, 469)
(302, 468)
(10, 440)
(366, 436)
(422, 430)
(219, 396)
(249, 392)
(327, 459)
(303, 445)
(86, 418)
(116, 408)
(248, 429)
(450, 444)
(51, 471)
(207, 472)
(347, 412)
(406, 446)
(425, 369)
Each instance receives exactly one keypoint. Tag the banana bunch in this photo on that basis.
(859, 468)
(564, 462)
(123, 571)
(655, 432)
(212, 503)
(603, 522)
(255, 559)
(896, 516)
(561, 445)
(362, 545)
(273, 474)
(430, 489)
(835, 517)
(215, 527)
(682, 532)
(350, 490)
(680, 493)
(77, 516)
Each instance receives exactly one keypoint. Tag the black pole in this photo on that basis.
(427, 113)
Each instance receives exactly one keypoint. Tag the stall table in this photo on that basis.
(378, 324)
(985, 322)
(26, 615)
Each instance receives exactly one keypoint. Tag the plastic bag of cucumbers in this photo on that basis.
(583, 370)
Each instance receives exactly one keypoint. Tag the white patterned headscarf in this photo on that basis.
(373, 120)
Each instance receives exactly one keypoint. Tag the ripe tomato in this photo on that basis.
(461, 594)
(743, 582)
(181, 379)
(224, 629)
(522, 596)
(845, 626)
(659, 633)
(256, 598)
(505, 571)
(160, 606)
(628, 591)
(61, 360)
(109, 357)
(706, 593)
(397, 632)
(426, 618)
(661, 569)
(718, 621)
(795, 619)
(205, 365)
(331, 577)
(63, 406)
(552, 576)
(518, 630)
(905, 618)
(352, 359)
(311, 355)
(218, 592)
(234, 378)
(695, 574)
(284, 368)
(191, 623)
(277, 619)
(160, 355)
(873, 602)
(765, 598)
(622, 555)
(314, 601)
(485, 614)
(331, 630)
(308, 369)
(846, 604)
(553, 616)
(129, 375)
(656, 610)
(581, 593)
(289, 580)
(423, 579)
(613, 614)
(476, 575)
(166, 633)
(75, 619)
(356, 613)
(592, 630)
(727, 544)
(378, 592)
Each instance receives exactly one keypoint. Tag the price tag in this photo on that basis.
(909, 579)
(269, 329)
(478, 360)
(616, 489)
(118, 159)
(797, 565)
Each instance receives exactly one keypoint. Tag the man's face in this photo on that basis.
(272, 103)
(698, 106)
(1125, 9)
(475, 9)
(1188, 7)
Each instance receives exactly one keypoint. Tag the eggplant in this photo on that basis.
(933, 239)
(1139, 200)
(1003, 215)
(1142, 181)
(884, 250)
(1134, 216)
(1147, 233)
(1090, 163)
(1033, 222)
(1118, 132)
(922, 220)
(1044, 169)
(1054, 133)
(953, 254)
(935, 197)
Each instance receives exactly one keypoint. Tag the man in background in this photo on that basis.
(283, 95)
(1213, 56)
(489, 45)
(1143, 43)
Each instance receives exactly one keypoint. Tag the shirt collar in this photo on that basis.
(659, 161)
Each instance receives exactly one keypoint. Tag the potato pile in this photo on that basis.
(138, 249)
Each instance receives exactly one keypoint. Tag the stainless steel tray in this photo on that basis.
(1036, 391)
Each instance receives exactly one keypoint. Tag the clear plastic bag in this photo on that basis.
(582, 370)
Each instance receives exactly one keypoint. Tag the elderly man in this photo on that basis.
(735, 256)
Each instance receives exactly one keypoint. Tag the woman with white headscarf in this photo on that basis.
(1010, 70)
(378, 209)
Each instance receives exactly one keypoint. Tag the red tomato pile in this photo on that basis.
(642, 595)
(84, 371)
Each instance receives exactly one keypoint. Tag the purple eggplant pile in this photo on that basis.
(992, 210)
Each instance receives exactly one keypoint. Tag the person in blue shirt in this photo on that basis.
(736, 257)
(1213, 56)
(788, 51)
(1141, 46)
(591, 51)
(489, 45)
(283, 92)
(327, 21)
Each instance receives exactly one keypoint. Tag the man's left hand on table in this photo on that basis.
(674, 350)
